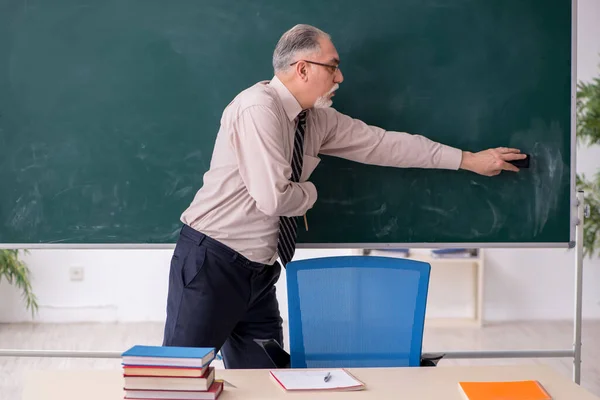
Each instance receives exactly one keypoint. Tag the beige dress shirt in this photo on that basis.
(248, 184)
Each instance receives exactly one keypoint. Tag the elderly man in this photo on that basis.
(224, 267)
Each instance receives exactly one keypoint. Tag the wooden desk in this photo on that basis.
(382, 383)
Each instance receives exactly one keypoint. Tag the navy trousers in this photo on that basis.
(218, 298)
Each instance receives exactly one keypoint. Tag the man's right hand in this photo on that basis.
(491, 162)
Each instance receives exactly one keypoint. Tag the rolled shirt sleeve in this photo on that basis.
(353, 139)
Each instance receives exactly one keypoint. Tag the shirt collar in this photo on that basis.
(290, 104)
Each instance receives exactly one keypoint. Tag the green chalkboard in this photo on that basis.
(109, 111)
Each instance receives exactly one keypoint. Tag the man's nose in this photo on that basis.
(339, 77)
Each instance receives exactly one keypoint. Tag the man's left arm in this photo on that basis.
(353, 139)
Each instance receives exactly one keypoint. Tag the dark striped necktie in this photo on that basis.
(286, 243)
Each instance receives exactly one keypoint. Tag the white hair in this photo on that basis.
(300, 39)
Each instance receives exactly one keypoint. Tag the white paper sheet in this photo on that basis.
(299, 379)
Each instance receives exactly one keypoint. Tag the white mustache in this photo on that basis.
(333, 89)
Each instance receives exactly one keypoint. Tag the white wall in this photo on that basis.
(118, 285)
(131, 285)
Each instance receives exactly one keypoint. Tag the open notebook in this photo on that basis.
(307, 379)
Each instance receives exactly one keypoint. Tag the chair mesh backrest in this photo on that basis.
(356, 311)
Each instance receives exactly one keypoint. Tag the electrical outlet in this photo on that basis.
(76, 274)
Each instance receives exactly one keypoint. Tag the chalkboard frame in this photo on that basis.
(572, 197)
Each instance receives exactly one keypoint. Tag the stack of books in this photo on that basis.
(170, 373)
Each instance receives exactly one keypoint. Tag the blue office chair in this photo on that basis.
(356, 311)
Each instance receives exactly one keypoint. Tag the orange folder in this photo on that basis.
(508, 390)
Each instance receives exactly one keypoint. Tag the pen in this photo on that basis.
(327, 377)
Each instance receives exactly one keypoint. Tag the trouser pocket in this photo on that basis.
(192, 267)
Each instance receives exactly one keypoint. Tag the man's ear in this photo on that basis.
(302, 70)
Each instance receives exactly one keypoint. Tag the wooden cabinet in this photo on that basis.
(455, 295)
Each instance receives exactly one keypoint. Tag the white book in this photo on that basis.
(211, 394)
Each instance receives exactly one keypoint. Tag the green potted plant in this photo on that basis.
(16, 273)
(588, 131)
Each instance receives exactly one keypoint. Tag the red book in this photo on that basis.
(170, 383)
(151, 370)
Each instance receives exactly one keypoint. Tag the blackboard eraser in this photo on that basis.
(524, 163)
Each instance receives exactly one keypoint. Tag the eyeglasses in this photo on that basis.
(334, 68)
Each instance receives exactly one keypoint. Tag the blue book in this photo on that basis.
(395, 250)
(168, 356)
(449, 250)
(454, 253)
